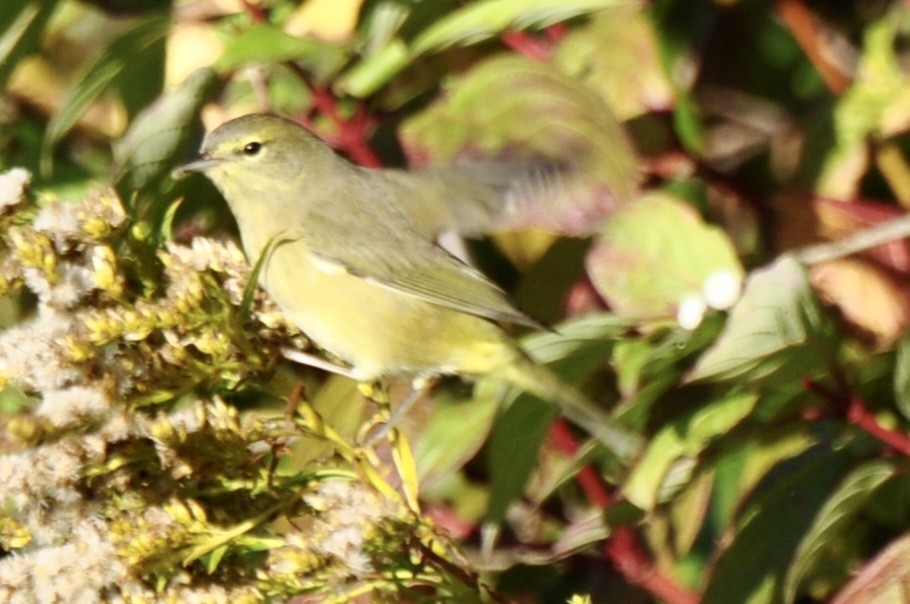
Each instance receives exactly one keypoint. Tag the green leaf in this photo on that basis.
(214, 558)
(474, 22)
(654, 253)
(266, 43)
(454, 432)
(129, 7)
(510, 102)
(633, 81)
(127, 47)
(142, 78)
(481, 20)
(778, 328)
(372, 73)
(649, 369)
(876, 105)
(573, 352)
(586, 339)
(688, 124)
(902, 376)
(752, 568)
(21, 24)
(513, 450)
(841, 508)
(162, 134)
(166, 226)
(652, 481)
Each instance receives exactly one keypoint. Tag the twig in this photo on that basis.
(883, 233)
(811, 35)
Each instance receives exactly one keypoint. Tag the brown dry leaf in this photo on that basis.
(884, 579)
(867, 296)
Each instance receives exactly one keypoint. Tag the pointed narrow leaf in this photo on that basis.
(479, 21)
(21, 23)
(513, 450)
(100, 74)
(454, 432)
(902, 376)
(844, 504)
(266, 43)
(753, 566)
(575, 350)
(681, 442)
(407, 469)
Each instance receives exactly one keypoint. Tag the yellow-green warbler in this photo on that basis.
(361, 277)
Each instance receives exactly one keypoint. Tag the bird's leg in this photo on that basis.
(418, 387)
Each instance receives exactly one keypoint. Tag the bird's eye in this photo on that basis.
(252, 148)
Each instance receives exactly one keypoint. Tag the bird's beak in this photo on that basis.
(200, 164)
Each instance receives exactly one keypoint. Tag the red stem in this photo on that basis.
(623, 547)
(626, 552)
(527, 45)
(256, 13)
(588, 479)
(855, 411)
(352, 133)
(860, 416)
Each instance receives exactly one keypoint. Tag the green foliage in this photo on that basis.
(652, 254)
(156, 444)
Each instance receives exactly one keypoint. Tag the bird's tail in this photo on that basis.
(542, 382)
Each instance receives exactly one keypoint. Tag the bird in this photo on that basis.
(346, 260)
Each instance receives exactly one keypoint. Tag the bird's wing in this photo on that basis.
(391, 254)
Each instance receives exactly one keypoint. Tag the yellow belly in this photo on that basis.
(379, 331)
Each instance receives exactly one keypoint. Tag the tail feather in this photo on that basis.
(542, 382)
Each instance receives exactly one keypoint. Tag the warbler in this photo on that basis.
(344, 260)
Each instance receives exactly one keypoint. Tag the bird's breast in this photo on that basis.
(378, 330)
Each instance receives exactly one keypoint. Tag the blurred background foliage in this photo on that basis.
(723, 137)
